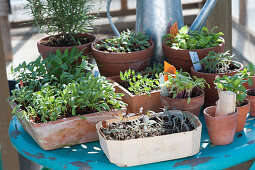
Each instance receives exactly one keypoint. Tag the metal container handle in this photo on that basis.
(115, 30)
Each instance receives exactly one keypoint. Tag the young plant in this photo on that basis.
(65, 18)
(233, 84)
(194, 39)
(127, 42)
(182, 86)
(216, 62)
(248, 72)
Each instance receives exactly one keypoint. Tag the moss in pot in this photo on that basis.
(177, 48)
(212, 65)
(183, 92)
(128, 51)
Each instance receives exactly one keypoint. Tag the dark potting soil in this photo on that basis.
(138, 129)
(232, 68)
(61, 42)
(245, 102)
(251, 92)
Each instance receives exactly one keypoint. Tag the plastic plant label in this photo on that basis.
(168, 68)
(174, 29)
(195, 59)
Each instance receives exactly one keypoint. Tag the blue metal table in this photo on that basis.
(90, 155)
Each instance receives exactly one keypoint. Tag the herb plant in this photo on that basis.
(216, 62)
(127, 42)
(233, 84)
(248, 72)
(194, 39)
(65, 17)
(153, 124)
(181, 85)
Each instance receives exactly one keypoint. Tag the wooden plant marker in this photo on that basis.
(226, 103)
(174, 29)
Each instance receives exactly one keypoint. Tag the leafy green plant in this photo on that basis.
(155, 69)
(65, 17)
(127, 42)
(181, 85)
(216, 62)
(248, 72)
(233, 84)
(143, 82)
(194, 39)
(70, 93)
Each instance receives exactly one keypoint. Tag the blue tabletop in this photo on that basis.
(90, 155)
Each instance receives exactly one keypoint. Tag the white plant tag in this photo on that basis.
(163, 88)
(194, 58)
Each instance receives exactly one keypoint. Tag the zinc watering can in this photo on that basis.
(155, 17)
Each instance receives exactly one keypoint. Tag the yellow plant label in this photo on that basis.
(174, 29)
(168, 68)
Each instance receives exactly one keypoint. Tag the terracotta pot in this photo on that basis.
(221, 129)
(66, 132)
(242, 114)
(211, 94)
(135, 102)
(252, 104)
(181, 104)
(110, 64)
(246, 85)
(46, 50)
(181, 59)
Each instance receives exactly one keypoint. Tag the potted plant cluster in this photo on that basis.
(140, 89)
(58, 104)
(235, 85)
(150, 138)
(177, 48)
(70, 22)
(128, 51)
(183, 92)
(212, 65)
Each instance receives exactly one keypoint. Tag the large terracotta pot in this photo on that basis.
(181, 59)
(242, 114)
(211, 94)
(46, 50)
(181, 104)
(66, 132)
(110, 64)
(252, 103)
(135, 102)
(221, 129)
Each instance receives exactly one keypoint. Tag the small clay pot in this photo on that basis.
(211, 94)
(182, 104)
(242, 114)
(221, 129)
(46, 50)
(246, 85)
(252, 103)
(110, 64)
(180, 58)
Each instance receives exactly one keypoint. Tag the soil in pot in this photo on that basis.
(211, 94)
(51, 44)
(197, 100)
(243, 110)
(181, 58)
(110, 64)
(221, 129)
(251, 98)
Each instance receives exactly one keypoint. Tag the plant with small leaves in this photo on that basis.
(127, 42)
(181, 85)
(248, 72)
(194, 39)
(233, 84)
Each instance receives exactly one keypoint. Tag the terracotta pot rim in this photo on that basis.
(219, 117)
(113, 53)
(206, 49)
(47, 37)
(199, 96)
(212, 74)
(247, 100)
(250, 90)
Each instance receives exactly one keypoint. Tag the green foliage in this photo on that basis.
(65, 17)
(48, 97)
(233, 84)
(127, 42)
(216, 62)
(194, 39)
(181, 85)
(143, 82)
(248, 72)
